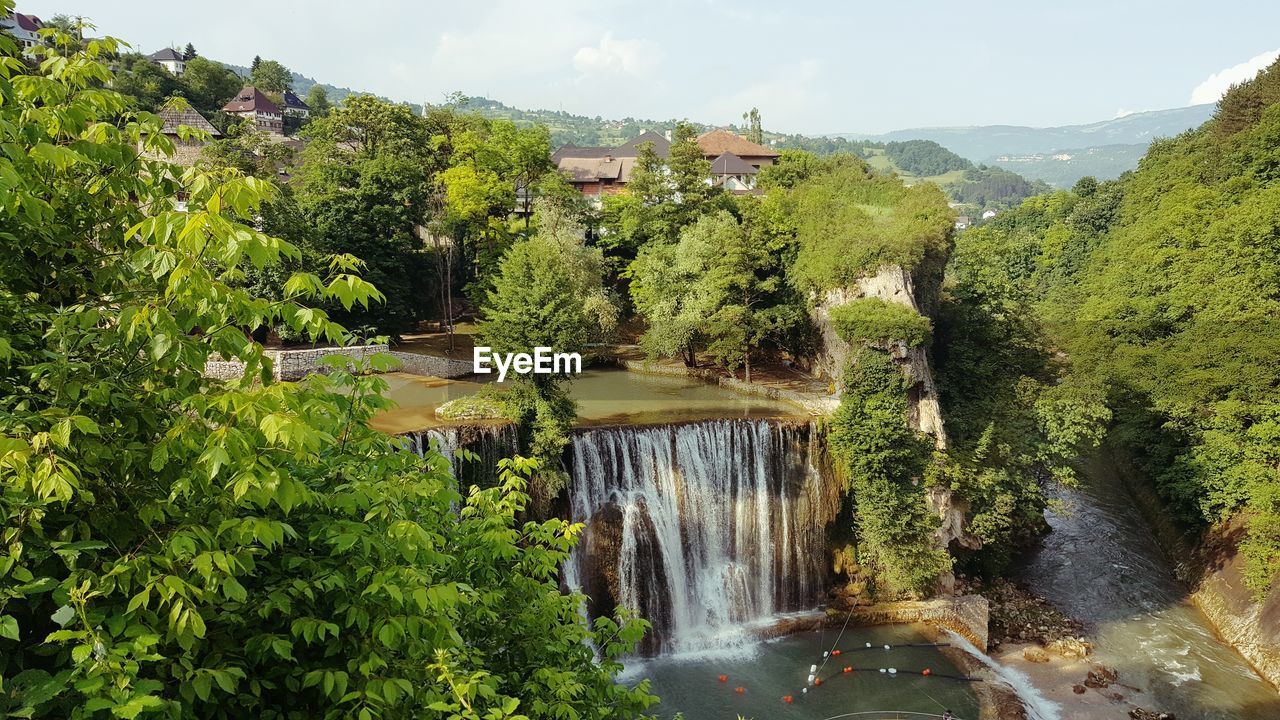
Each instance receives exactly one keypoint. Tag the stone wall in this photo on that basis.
(297, 364)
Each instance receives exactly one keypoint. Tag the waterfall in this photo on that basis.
(701, 528)
(490, 441)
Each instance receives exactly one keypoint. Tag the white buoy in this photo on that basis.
(881, 669)
(868, 644)
(893, 671)
(886, 647)
(810, 681)
(804, 690)
(813, 668)
(824, 653)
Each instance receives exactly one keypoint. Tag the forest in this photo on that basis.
(1161, 287)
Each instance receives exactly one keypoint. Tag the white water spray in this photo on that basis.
(1038, 707)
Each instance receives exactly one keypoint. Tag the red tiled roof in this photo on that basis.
(717, 142)
(251, 99)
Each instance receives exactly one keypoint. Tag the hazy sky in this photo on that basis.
(810, 67)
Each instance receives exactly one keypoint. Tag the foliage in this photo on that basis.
(1162, 287)
(882, 460)
(924, 157)
(209, 85)
(177, 545)
(318, 101)
(878, 322)
(548, 292)
(850, 222)
(270, 76)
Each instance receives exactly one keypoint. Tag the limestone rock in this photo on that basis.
(1035, 654)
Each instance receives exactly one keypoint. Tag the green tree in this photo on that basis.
(209, 85)
(198, 548)
(751, 119)
(318, 101)
(270, 76)
(548, 292)
(189, 52)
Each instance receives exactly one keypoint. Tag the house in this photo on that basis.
(962, 222)
(988, 214)
(733, 173)
(185, 152)
(294, 107)
(170, 60)
(252, 104)
(718, 142)
(25, 29)
(599, 171)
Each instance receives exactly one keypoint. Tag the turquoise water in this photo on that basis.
(770, 670)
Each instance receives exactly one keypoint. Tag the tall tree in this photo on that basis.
(318, 101)
(209, 84)
(751, 119)
(271, 76)
(189, 52)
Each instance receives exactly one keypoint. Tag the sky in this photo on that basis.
(810, 67)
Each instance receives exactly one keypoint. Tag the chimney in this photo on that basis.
(668, 135)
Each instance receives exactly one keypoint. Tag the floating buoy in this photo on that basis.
(804, 691)
(824, 654)
(810, 682)
(818, 681)
(813, 669)
(848, 669)
(740, 690)
(926, 672)
(882, 670)
(886, 647)
(893, 671)
(787, 699)
(868, 644)
(835, 652)
(724, 678)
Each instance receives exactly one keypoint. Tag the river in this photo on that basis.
(1102, 564)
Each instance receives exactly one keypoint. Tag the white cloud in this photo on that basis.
(613, 56)
(1214, 86)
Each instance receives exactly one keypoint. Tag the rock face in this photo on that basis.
(891, 284)
(1250, 626)
(894, 284)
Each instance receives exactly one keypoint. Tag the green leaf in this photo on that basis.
(63, 615)
(8, 627)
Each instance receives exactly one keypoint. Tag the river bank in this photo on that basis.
(1102, 565)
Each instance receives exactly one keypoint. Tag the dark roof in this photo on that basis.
(174, 118)
(293, 101)
(716, 142)
(631, 148)
(578, 151)
(165, 54)
(30, 23)
(730, 164)
(251, 99)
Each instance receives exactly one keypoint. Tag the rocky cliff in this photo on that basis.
(894, 284)
(891, 284)
(1250, 625)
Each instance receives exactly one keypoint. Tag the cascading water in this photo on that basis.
(701, 528)
(491, 442)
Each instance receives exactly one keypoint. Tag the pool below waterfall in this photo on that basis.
(770, 670)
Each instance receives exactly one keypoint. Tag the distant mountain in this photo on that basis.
(1103, 149)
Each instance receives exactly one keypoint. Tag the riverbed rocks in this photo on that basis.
(1144, 714)
(1018, 616)
(1100, 676)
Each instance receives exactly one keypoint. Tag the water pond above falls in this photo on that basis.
(605, 397)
